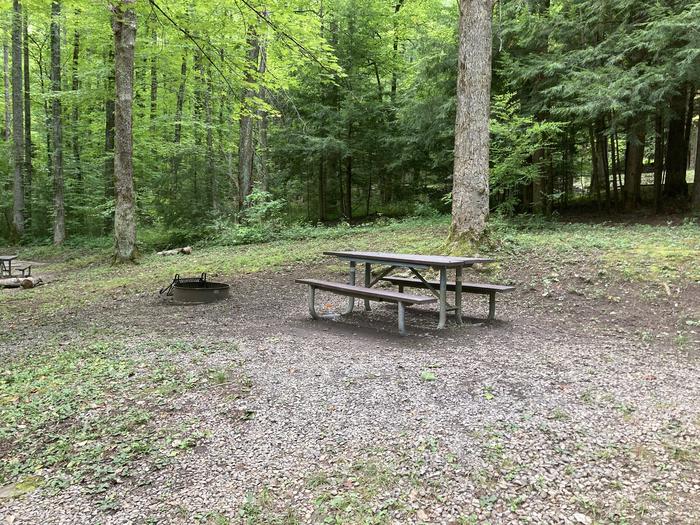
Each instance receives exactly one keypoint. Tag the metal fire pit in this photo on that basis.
(193, 290)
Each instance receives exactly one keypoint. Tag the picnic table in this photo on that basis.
(6, 265)
(417, 265)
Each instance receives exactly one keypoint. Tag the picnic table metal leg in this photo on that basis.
(443, 298)
(492, 306)
(312, 303)
(351, 300)
(402, 318)
(458, 294)
(368, 281)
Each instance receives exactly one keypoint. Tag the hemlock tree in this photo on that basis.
(124, 27)
(470, 190)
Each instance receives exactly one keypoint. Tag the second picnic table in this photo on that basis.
(416, 264)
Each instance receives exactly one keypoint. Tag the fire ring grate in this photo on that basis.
(196, 290)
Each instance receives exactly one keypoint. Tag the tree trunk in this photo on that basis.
(262, 119)
(17, 122)
(601, 149)
(124, 26)
(695, 203)
(537, 188)
(6, 83)
(154, 83)
(470, 191)
(614, 161)
(178, 122)
(28, 147)
(594, 188)
(109, 135)
(688, 124)
(246, 151)
(74, 115)
(322, 189)
(634, 158)
(59, 214)
(658, 158)
(676, 159)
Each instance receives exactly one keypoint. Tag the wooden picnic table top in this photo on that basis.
(407, 259)
(8, 257)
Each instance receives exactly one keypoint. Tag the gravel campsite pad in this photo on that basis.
(580, 405)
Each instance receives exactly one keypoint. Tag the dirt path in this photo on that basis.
(559, 412)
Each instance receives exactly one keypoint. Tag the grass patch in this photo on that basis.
(85, 413)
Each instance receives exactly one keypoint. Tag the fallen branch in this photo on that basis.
(187, 250)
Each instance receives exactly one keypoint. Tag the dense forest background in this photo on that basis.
(247, 112)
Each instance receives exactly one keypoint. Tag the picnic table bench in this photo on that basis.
(414, 263)
(6, 267)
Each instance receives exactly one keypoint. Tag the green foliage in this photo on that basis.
(514, 140)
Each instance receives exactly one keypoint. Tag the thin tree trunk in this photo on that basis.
(634, 159)
(75, 85)
(246, 151)
(154, 83)
(178, 122)
(262, 119)
(470, 191)
(688, 124)
(124, 26)
(59, 214)
(658, 159)
(28, 147)
(594, 188)
(109, 136)
(676, 159)
(603, 164)
(614, 159)
(695, 203)
(7, 132)
(17, 122)
(322, 189)
(213, 186)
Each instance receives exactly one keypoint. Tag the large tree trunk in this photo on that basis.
(124, 26)
(262, 119)
(470, 190)
(246, 151)
(676, 159)
(658, 158)
(17, 122)
(59, 218)
(28, 147)
(634, 158)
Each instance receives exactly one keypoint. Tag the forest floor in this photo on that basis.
(580, 404)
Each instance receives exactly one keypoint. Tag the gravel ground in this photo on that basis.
(562, 411)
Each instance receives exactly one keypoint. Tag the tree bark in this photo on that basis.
(109, 135)
(154, 83)
(7, 132)
(262, 119)
(17, 122)
(59, 214)
(470, 190)
(676, 158)
(246, 152)
(695, 203)
(634, 158)
(179, 103)
(75, 85)
(658, 159)
(124, 27)
(28, 147)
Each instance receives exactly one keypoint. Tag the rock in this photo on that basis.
(582, 518)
